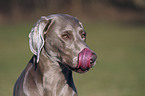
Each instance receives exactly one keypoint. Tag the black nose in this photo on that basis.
(93, 58)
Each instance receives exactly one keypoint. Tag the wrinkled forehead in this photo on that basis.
(64, 21)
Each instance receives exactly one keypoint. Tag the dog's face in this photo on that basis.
(65, 41)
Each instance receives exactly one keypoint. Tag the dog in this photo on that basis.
(58, 44)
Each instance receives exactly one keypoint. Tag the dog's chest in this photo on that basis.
(56, 85)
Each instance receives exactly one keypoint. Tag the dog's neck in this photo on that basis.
(57, 79)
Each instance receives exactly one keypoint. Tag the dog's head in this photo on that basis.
(63, 38)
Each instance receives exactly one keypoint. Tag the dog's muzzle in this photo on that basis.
(86, 60)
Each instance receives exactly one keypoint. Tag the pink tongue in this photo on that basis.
(84, 59)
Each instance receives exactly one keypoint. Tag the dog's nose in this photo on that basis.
(93, 59)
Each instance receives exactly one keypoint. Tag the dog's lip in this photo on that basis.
(76, 69)
(80, 70)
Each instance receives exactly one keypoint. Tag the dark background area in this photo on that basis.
(114, 10)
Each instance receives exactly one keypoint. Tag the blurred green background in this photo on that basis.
(115, 31)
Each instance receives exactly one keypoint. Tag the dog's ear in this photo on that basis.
(36, 36)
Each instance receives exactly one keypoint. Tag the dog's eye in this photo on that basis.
(83, 35)
(65, 36)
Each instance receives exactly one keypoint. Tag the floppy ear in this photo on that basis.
(36, 36)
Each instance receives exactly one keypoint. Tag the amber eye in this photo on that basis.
(65, 36)
(83, 35)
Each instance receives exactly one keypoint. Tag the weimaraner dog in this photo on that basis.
(58, 44)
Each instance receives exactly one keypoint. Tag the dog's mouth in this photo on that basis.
(86, 60)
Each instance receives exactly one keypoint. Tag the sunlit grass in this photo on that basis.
(119, 70)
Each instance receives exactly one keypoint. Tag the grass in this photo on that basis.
(119, 70)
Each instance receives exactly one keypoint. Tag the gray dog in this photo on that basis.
(58, 44)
